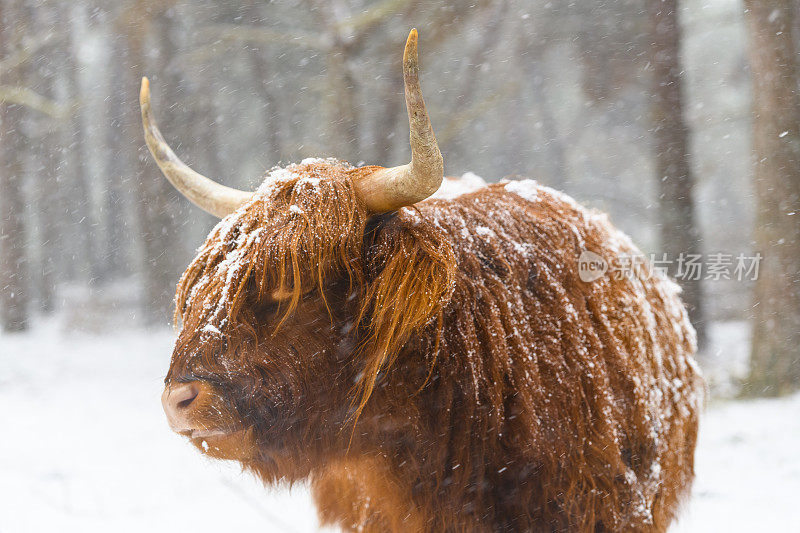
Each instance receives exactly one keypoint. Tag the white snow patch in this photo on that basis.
(455, 187)
(211, 328)
(748, 468)
(85, 447)
(527, 189)
(564, 197)
(483, 231)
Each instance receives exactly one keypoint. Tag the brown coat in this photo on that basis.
(442, 368)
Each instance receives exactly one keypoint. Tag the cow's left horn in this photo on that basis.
(387, 189)
(206, 194)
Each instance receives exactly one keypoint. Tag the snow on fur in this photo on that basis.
(475, 341)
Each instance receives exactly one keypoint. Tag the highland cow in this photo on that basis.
(431, 364)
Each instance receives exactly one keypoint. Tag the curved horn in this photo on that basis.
(206, 194)
(387, 189)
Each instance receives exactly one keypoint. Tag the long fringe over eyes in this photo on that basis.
(304, 225)
(302, 228)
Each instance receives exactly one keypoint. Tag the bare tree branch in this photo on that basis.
(233, 32)
(28, 98)
(367, 19)
(357, 24)
(31, 47)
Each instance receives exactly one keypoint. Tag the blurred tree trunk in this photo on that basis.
(259, 62)
(84, 226)
(553, 140)
(465, 106)
(553, 167)
(49, 183)
(118, 161)
(679, 231)
(343, 135)
(390, 118)
(265, 80)
(344, 138)
(155, 199)
(190, 118)
(775, 359)
(14, 286)
(49, 218)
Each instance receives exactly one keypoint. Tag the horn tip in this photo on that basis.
(412, 39)
(144, 93)
(410, 52)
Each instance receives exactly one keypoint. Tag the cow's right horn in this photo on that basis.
(387, 189)
(206, 194)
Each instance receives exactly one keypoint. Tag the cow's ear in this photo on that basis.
(412, 270)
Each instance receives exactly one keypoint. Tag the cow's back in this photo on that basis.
(587, 389)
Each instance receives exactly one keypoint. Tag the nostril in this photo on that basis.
(183, 404)
(179, 401)
(182, 395)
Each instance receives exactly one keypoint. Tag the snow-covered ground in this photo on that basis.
(84, 447)
(748, 469)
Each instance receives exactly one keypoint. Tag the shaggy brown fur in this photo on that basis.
(441, 368)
